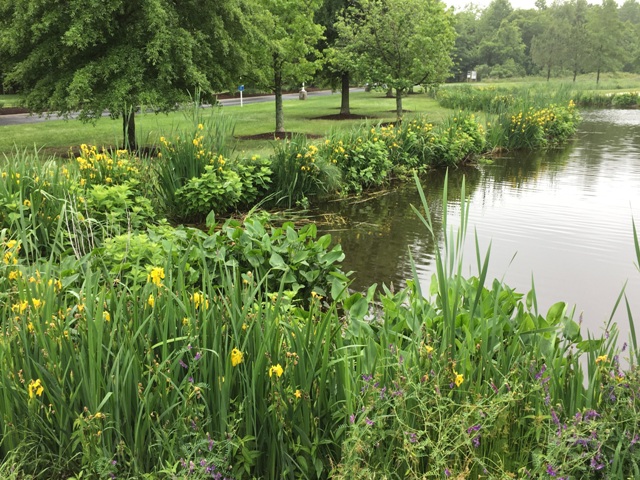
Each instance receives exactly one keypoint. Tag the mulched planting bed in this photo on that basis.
(12, 110)
(339, 116)
(274, 136)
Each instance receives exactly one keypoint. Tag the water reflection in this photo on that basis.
(565, 216)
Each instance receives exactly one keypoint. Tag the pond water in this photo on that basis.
(563, 218)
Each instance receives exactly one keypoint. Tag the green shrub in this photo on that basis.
(361, 155)
(625, 100)
(221, 190)
(117, 207)
(456, 140)
(217, 189)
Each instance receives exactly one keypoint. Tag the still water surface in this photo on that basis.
(562, 218)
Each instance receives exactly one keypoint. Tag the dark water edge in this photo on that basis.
(562, 218)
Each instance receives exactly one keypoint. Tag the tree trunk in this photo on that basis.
(598, 76)
(129, 129)
(277, 69)
(344, 106)
(390, 93)
(548, 72)
(575, 74)
(399, 104)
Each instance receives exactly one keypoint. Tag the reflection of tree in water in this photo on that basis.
(380, 231)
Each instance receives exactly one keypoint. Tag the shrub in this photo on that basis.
(361, 155)
(625, 100)
(233, 183)
(456, 140)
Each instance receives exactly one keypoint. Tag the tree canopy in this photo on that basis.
(89, 56)
(400, 43)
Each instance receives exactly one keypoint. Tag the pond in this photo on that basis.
(562, 218)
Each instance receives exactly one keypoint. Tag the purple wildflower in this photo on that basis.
(476, 441)
(368, 421)
(203, 463)
(197, 357)
(352, 418)
(183, 365)
(447, 473)
(367, 378)
(590, 415)
(552, 472)
(474, 428)
(541, 372)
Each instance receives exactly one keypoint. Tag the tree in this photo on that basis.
(605, 35)
(546, 48)
(287, 48)
(467, 40)
(89, 56)
(338, 60)
(400, 42)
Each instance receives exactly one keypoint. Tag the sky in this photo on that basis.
(516, 4)
(461, 4)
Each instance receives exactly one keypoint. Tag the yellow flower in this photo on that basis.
(298, 394)
(106, 316)
(27, 203)
(19, 307)
(200, 126)
(13, 275)
(601, 358)
(199, 300)
(459, 379)
(236, 357)
(35, 388)
(37, 303)
(151, 301)
(277, 369)
(429, 349)
(156, 276)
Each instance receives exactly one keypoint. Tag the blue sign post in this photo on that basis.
(241, 89)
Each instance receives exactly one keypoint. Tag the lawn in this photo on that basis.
(9, 100)
(252, 119)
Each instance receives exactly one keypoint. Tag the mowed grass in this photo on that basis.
(9, 100)
(609, 82)
(251, 119)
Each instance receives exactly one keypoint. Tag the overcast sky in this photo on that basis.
(461, 4)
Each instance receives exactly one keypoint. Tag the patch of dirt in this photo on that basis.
(12, 110)
(275, 136)
(339, 116)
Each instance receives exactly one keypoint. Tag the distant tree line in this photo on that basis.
(564, 38)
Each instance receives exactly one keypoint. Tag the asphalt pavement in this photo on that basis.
(25, 118)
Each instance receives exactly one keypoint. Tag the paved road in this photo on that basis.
(24, 118)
